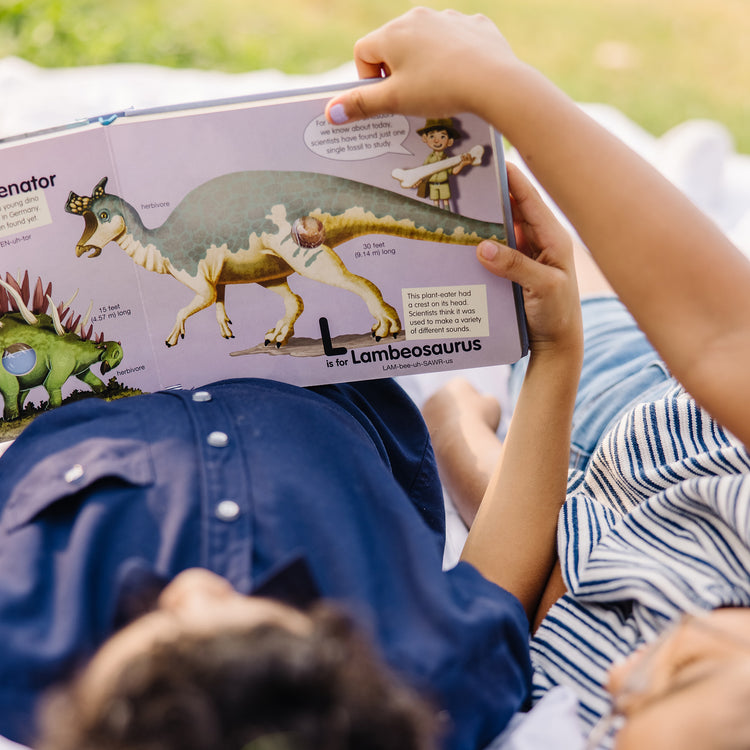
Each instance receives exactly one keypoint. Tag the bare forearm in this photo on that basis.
(684, 282)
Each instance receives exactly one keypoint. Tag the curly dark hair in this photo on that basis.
(265, 688)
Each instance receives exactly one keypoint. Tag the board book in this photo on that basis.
(168, 248)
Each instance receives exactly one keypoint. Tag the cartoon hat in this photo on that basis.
(441, 123)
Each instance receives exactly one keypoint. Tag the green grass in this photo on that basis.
(659, 61)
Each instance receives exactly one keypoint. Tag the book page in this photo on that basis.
(63, 327)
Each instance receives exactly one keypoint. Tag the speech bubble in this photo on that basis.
(366, 139)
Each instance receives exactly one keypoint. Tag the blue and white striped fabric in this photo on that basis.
(658, 525)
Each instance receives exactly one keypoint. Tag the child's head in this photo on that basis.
(210, 668)
(689, 689)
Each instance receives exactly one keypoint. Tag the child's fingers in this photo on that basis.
(360, 103)
(368, 59)
(513, 265)
(529, 205)
(537, 228)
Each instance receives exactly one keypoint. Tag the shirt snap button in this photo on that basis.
(73, 474)
(227, 510)
(201, 396)
(218, 439)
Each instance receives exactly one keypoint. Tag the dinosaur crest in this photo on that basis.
(79, 204)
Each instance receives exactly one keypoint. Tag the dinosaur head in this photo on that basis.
(111, 355)
(103, 216)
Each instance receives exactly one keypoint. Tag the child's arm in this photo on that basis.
(685, 283)
(512, 540)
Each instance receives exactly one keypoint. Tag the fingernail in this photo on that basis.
(488, 250)
(337, 113)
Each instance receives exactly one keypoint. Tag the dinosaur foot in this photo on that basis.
(387, 322)
(280, 334)
(378, 338)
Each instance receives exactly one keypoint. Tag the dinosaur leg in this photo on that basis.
(91, 380)
(22, 395)
(55, 395)
(221, 313)
(293, 306)
(204, 298)
(60, 369)
(10, 390)
(322, 264)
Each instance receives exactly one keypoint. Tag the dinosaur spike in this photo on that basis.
(55, 312)
(69, 302)
(28, 316)
(26, 289)
(64, 307)
(12, 284)
(72, 326)
(48, 296)
(5, 305)
(84, 320)
(37, 299)
(86, 333)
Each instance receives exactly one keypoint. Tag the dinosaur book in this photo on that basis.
(248, 237)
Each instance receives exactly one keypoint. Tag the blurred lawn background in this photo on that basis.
(659, 61)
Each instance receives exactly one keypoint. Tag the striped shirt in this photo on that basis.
(658, 524)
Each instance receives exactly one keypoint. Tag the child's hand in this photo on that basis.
(403, 52)
(543, 266)
(513, 538)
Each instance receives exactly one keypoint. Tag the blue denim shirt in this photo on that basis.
(242, 477)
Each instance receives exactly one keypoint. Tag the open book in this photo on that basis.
(247, 238)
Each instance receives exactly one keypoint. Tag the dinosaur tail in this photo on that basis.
(433, 224)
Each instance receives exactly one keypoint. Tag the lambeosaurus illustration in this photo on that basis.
(262, 227)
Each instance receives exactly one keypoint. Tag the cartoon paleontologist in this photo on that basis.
(432, 179)
(440, 135)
